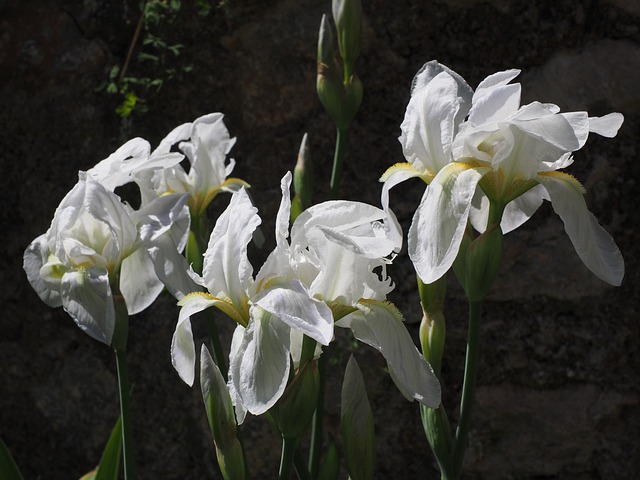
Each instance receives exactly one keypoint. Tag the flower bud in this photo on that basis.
(438, 432)
(357, 424)
(483, 262)
(295, 408)
(325, 42)
(432, 327)
(302, 181)
(222, 420)
(347, 14)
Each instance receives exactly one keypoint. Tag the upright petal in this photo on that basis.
(440, 220)
(106, 207)
(428, 127)
(593, 244)
(226, 269)
(379, 324)
(284, 212)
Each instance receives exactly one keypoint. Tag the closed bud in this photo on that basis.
(347, 14)
(325, 43)
(357, 424)
(483, 262)
(295, 408)
(222, 420)
(302, 181)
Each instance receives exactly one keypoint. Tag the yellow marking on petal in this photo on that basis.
(426, 176)
(190, 296)
(567, 178)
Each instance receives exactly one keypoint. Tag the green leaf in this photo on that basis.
(110, 462)
(148, 57)
(330, 466)
(8, 468)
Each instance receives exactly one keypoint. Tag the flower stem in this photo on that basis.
(316, 423)
(468, 387)
(286, 460)
(125, 413)
(336, 173)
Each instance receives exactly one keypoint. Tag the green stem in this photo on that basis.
(125, 413)
(301, 468)
(336, 173)
(468, 387)
(316, 424)
(216, 346)
(286, 460)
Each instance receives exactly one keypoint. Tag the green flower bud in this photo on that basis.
(294, 410)
(222, 419)
(325, 43)
(432, 327)
(357, 424)
(302, 181)
(483, 262)
(347, 14)
(438, 432)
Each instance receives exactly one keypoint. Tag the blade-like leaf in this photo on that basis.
(110, 462)
(8, 468)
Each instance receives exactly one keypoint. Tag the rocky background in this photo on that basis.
(558, 381)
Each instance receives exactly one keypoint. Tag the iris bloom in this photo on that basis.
(504, 161)
(267, 308)
(333, 267)
(340, 251)
(98, 247)
(205, 143)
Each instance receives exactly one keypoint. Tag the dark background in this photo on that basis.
(558, 380)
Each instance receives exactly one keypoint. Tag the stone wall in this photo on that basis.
(558, 381)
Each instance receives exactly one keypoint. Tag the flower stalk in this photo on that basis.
(125, 413)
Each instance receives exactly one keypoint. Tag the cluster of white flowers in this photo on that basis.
(481, 149)
(485, 158)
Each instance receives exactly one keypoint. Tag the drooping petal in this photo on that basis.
(260, 367)
(86, 296)
(226, 269)
(379, 324)
(607, 125)
(36, 256)
(139, 283)
(440, 220)
(236, 341)
(183, 349)
(394, 175)
(292, 303)
(516, 213)
(171, 267)
(593, 244)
